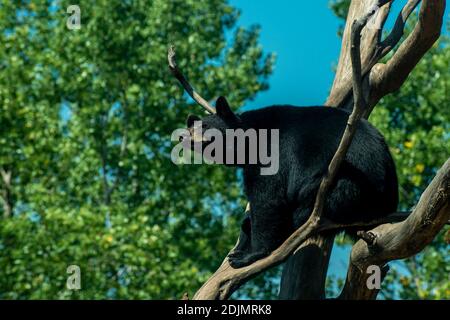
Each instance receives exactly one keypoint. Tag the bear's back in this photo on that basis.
(309, 137)
(314, 133)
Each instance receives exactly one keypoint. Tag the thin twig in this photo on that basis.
(186, 85)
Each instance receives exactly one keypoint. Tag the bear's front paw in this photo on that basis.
(240, 259)
(237, 253)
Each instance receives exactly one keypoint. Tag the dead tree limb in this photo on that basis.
(186, 85)
(384, 78)
(388, 77)
(400, 240)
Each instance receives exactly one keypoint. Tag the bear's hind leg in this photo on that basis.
(268, 230)
(244, 244)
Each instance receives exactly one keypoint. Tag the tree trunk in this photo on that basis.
(305, 273)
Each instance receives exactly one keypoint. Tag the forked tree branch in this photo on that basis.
(371, 37)
(397, 32)
(390, 76)
(383, 79)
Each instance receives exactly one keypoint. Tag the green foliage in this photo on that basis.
(85, 123)
(340, 10)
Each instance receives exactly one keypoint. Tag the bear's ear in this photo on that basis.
(191, 119)
(224, 111)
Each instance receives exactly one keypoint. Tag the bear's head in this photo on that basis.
(210, 135)
(223, 119)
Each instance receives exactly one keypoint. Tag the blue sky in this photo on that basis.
(303, 34)
(292, 29)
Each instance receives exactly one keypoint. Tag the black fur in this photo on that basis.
(365, 188)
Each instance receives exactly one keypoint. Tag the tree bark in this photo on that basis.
(400, 240)
(381, 79)
(305, 272)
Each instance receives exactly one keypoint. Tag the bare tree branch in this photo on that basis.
(387, 78)
(226, 279)
(304, 273)
(400, 240)
(342, 85)
(381, 79)
(186, 85)
(397, 32)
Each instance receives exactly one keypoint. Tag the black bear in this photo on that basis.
(365, 187)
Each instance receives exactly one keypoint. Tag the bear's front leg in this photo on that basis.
(267, 233)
